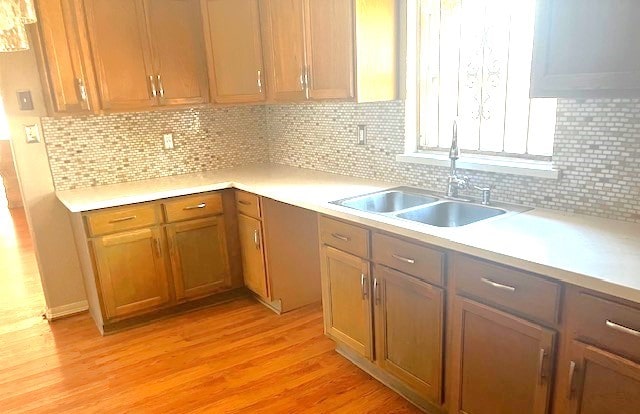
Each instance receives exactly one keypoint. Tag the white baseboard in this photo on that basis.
(65, 310)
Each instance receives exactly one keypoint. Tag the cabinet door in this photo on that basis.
(63, 67)
(347, 300)
(501, 363)
(283, 28)
(601, 382)
(131, 271)
(255, 274)
(584, 48)
(198, 251)
(409, 330)
(122, 53)
(178, 51)
(329, 38)
(234, 50)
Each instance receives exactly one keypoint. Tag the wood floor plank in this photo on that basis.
(238, 357)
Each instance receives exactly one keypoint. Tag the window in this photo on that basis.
(473, 66)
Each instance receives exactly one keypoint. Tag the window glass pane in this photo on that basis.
(475, 67)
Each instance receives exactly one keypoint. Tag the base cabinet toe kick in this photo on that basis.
(458, 334)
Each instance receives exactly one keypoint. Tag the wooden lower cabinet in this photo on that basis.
(131, 271)
(347, 300)
(198, 253)
(251, 242)
(409, 331)
(501, 363)
(601, 382)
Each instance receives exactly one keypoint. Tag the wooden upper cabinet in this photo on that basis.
(346, 299)
(178, 51)
(409, 330)
(234, 50)
(331, 49)
(147, 52)
(601, 382)
(66, 69)
(122, 53)
(284, 45)
(329, 42)
(131, 272)
(500, 363)
(586, 48)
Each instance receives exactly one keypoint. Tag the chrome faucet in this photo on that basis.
(455, 183)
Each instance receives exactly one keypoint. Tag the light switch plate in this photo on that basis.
(168, 141)
(32, 134)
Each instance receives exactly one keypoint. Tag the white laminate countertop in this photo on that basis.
(599, 254)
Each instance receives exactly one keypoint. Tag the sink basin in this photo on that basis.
(451, 214)
(387, 201)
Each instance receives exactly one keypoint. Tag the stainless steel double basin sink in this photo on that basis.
(424, 207)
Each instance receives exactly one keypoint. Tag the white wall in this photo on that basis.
(48, 219)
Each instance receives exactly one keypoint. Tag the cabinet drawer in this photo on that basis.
(419, 261)
(345, 237)
(522, 292)
(122, 218)
(190, 207)
(610, 325)
(248, 204)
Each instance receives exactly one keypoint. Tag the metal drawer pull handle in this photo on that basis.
(363, 285)
(244, 203)
(376, 290)
(498, 285)
(404, 259)
(201, 205)
(341, 237)
(256, 239)
(154, 91)
(121, 219)
(160, 87)
(541, 374)
(572, 371)
(621, 328)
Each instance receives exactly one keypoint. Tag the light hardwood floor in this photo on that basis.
(237, 357)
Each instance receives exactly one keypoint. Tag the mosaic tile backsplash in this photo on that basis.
(597, 149)
(97, 150)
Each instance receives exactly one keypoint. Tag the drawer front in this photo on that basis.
(345, 237)
(248, 204)
(610, 325)
(195, 206)
(520, 291)
(122, 218)
(414, 259)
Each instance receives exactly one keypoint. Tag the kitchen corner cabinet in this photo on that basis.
(330, 49)
(147, 52)
(582, 49)
(63, 57)
(141, 259)
(280, 257)
(234, 50)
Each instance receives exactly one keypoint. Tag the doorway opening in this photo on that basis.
(21, 297)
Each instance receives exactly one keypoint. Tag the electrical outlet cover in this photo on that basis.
(168, 141)
(32, 134)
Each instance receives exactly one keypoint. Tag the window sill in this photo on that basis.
(503, 165)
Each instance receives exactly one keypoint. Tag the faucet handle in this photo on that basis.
(486, 193)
